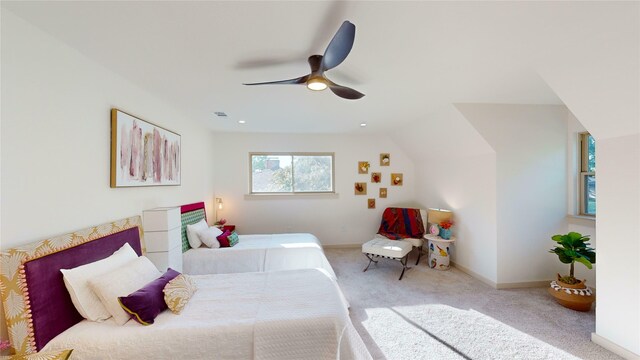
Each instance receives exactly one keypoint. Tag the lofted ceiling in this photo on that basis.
(409, 58)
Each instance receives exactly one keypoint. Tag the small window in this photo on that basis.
(290, 173)
(587, 175)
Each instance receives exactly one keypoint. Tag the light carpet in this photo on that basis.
(433, 314)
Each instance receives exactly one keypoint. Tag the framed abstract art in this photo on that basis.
(142, 154)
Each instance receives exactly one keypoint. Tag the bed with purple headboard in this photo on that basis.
(249, 315)
(37, 305)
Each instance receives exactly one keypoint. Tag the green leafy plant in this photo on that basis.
(573, 247)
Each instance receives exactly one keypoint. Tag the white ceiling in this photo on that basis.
(409, 58)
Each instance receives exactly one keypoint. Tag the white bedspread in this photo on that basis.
(255, 253)
(271, 315)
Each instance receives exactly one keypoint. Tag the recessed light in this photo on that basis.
(241, 121)
(363, 124)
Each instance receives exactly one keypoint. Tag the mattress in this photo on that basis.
(270, 315)
(257, 253)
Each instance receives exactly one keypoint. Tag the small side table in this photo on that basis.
(439, 251)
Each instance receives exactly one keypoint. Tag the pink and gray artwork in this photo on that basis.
(147, 154)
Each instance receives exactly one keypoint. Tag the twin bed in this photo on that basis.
(253, 253)
(294, 314)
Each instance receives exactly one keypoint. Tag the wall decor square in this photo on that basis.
(376, 177)
(360, 188)
(363, 167)
(142, 154)
(371, 203)
(383, 193)
(385, 159)
(396, 179)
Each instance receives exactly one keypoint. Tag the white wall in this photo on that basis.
(55, 137)
(610, 111)
(531, 150)
(618, 232)
(465, 185)
(456, 170)
(335, 220)
(502, 170)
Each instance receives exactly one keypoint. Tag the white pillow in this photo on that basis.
(209, 236)
(122, 282)
(192, 233)
(77, 282)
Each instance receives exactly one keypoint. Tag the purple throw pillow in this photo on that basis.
(224, 238)
(146, 303)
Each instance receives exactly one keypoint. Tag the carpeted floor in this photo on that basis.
(433, 314)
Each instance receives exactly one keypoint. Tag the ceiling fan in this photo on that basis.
(334, 55)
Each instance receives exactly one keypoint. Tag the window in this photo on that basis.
(587, 175)
(290, 173)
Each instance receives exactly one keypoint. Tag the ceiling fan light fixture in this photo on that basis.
(316, 83)
(334, 55)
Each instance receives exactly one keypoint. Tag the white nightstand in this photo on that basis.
(162, 237)
(439, 251)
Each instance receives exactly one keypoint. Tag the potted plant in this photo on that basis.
(569, 291)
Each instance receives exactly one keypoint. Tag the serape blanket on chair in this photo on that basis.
(401, 223)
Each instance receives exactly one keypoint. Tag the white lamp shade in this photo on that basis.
(436, 216)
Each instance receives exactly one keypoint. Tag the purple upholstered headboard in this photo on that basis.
(36, 302)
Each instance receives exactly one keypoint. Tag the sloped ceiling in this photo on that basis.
(411, 59)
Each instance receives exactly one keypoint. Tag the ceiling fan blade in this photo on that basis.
(339, 47)
(343, 91)
(336, 10)
(266, 62)
(300, 80)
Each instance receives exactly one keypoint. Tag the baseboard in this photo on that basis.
(493, 284)
(474, 274)
(341, 246)
(531, 284)
(525, 284)
(613, 347)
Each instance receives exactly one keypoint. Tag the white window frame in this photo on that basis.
(583, 172)
(292, 154)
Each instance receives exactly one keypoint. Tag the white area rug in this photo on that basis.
(433, 314)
